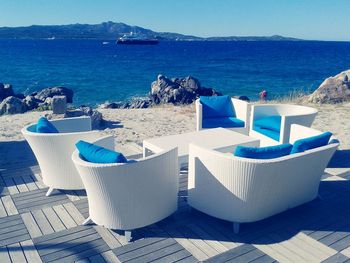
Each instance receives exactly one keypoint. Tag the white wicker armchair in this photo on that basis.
(240, 107)
(243, 190)
(53, 151)
(290, 114)
(130, 195)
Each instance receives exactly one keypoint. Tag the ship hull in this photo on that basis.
(137, 42)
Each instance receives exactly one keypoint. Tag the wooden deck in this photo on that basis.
(35, 228)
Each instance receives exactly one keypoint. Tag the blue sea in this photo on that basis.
(110, 72)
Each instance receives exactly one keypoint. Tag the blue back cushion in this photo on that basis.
(216, 106)
(272, 123)
(44, 126)
(97, 154)
(268, 152)
(311, 142)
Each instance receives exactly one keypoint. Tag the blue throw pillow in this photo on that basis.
(272, 123)
(309, 143)
(268, 152)
(44, 126)
(97, 154)
(216, 106)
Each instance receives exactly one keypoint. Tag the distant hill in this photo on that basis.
(111, 31)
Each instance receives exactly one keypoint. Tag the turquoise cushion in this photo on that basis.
(272, 123)
(44, 126)
(268, 152)
(224, 122)
(97, 154)
(311, 142)
(216, 106)
(269, 133)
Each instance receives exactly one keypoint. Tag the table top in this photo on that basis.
(210, 138)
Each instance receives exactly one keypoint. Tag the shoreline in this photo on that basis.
(135, 125)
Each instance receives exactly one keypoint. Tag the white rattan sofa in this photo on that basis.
(242, 190)
(127, 196)
(240, 107)
(290, 114)
(53, 151)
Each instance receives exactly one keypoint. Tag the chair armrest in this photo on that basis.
(242, 110)
(199, 114)
(76, 124)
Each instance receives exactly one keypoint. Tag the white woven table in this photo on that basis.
(219, 139)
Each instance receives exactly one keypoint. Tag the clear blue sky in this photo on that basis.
(308, 19)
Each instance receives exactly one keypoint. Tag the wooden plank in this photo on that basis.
(54, 220)
(28, 180)
(224, 240)
(136, 254)
(109, 257)
(231, 254)
(81, 251)
(108, 237)
(2, 210)
(97, 259)
(195, 239)
(38, 181)
(9, 205)
(71, 195)
(64, 216)
(68, 242)
(72, 231)
(171, 253)
(207, 238)
(21, 186)
(182, 240)
(30, 251)
(33, 228)
(74, 213)
(11, 186)
(39, 200)
(4, 255)
(16, 253)
(26, 195)
(84, 252)
(42, 222)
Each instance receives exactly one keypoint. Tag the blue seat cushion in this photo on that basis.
(97, 154)
(311, 142)
(269, 133)
(272, 123)
(216, 106)
(268, 152)
(224, 122)
(44, 126)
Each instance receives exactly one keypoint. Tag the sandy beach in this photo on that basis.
(135, 125)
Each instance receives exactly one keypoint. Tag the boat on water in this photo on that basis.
(134, 39)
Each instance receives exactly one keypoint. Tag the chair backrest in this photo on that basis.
(248, 189)
(53, 150)
(216, 106)
(131, 195)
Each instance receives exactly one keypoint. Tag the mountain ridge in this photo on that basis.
(113, 30)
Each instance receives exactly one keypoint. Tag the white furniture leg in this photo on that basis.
(49, 192)
(128, 235)
(87, 221)
(235, 227)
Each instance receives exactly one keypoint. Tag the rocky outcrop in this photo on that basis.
(178, 90)
(140, 103)
(12, 105)
(54, 91)
(5, 91)
(96, 116)
(333, 90)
